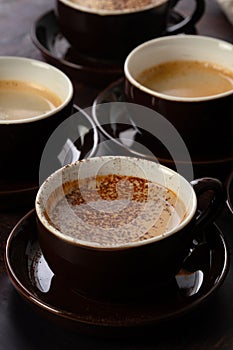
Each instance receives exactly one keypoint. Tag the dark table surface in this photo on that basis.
(210, 326)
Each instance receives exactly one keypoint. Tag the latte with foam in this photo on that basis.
(21, 100)
(187, 79)
(114, 209)
(116, 6)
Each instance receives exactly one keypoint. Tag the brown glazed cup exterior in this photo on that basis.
(203, 122)
(22, 141)
(133, 269)
(112, 35)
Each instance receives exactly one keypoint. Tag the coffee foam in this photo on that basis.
(22, 100)
(113, 210)
(109, 7)
(187, 79)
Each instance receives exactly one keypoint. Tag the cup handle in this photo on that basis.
(188, 21)
(211, 197)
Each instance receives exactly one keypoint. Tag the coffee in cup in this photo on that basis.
(109, 30)
(20, 100)
(117, 6)
(35, 98)
(188, 79)
(119, 227)
(139, 208)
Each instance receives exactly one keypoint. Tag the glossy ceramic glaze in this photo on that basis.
(22, 141)
(201, 275)
(107, 34)
(124, 270)
(203, 122)
(56, 50)
(17, 191)
(122, 136)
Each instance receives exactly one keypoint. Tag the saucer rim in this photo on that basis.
(78, 67)
(64, 315)
(118, 83)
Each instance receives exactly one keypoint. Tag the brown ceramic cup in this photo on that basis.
(26, 126)
(111, 33)
(202, 121)
(117, 263)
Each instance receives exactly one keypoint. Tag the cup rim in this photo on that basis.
(179, 37)
(51, 112)
(95, 246)
(102, 12)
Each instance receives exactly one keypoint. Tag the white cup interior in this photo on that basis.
(123, 166)
(39, 73)
(173, 48)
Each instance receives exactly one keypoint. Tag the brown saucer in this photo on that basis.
(17, 192)
(127, 138)
(57, 51)
(21, 192)
(202, 273)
